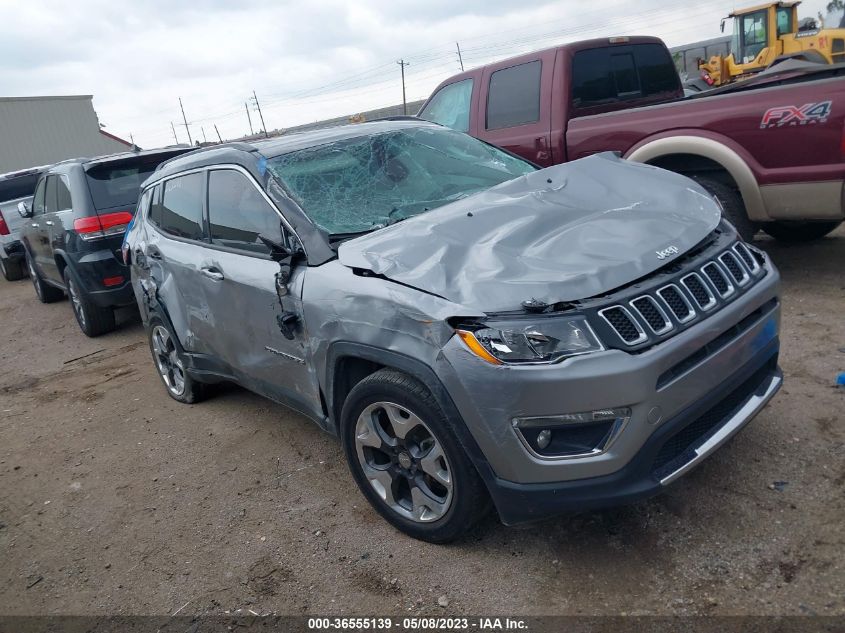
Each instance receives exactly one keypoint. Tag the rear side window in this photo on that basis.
(238, 213)
(63, 202)
(450, 106)
(514, 96)
(616, 73)
(180, 211)
(51, 194)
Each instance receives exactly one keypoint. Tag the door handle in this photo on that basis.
(212, 273)
(48, 222)
(35, 225)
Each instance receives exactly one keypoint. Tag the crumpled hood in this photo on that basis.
(564, 233)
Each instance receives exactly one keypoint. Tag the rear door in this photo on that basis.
(173, 252)
(58, 220)
(239, 282)
(514, 110)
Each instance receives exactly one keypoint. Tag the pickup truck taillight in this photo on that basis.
(4, 228)
(106, 225)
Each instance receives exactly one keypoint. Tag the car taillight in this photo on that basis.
(4, 228)
(106, 225)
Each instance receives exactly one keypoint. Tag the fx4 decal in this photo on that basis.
(809, 113)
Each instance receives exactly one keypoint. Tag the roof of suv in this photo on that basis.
(89, 162)
(238, 152)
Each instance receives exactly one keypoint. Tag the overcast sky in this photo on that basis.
(305, 60)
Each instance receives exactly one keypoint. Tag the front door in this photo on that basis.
(35, 232)
(239, 282)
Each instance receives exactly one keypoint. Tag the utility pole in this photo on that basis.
(249, 118)
(218, 133)
(132, 138)
(204, 140)
(185, 119)
(258, 107)
(175, 138)
(460, 59)
(402, 63)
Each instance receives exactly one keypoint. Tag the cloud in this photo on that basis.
(306, 61)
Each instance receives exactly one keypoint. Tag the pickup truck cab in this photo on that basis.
(15, 188)
(769, 149)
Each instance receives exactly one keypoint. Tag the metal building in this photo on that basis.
(44, 130)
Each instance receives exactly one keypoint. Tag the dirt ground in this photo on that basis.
(114, 499)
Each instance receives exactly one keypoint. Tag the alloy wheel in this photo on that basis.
(167, 360)
(76, 302)
(404, 462)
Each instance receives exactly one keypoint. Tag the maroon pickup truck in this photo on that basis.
(770, 149)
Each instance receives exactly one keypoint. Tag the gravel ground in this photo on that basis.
(115, 499)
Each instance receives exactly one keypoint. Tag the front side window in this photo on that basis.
(753, 33)
(450, 106)
(180, 211)
(364, 183)
(238, 213)
(514, 96)
(39, 201)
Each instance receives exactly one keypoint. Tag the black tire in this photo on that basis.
(93, 320)
(12, 269)
(45, 292)
(799, 231)
(732, 205)
(466, 501)
(182, 387)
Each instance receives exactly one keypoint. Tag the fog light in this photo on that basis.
(544, 438)
(571, 434)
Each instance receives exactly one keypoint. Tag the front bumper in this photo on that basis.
(667, 388)
(677, 447)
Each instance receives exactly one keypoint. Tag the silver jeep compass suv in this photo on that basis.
(472, 328)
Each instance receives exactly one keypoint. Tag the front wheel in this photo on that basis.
(407, 461)
(799, 231)
(45, 292)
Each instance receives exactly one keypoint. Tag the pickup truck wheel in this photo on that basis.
(407, 461)
(732, 206)
(799, 231)
(93, 320)
(12, 270)
(44, 292)
(171, 365)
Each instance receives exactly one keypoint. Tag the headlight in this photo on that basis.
(531, 341)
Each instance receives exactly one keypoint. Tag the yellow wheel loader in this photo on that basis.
(767, 34)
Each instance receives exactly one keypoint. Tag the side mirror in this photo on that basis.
(25, 209)
(278, 251)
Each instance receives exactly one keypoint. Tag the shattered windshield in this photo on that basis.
(368, 182)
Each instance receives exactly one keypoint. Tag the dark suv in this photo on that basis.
(74, 229)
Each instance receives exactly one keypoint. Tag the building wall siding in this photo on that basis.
(44, 130)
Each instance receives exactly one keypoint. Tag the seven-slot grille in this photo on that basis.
(677, 304)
